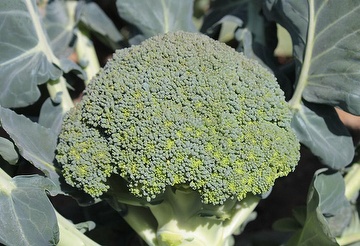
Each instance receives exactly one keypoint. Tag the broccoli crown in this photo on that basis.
(180, 109)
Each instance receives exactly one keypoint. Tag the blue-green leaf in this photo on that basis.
(326, 37)
(328, 211)
(97, 21)
(7, 151)
(320, 129)
(35, 143)
(26, 59)
(333, 204)
(154, 17)
(59, 24)
(51, 116)
(27, 216)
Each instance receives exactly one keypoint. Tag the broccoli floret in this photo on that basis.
(179, 111)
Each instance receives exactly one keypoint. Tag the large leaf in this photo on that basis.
(320, 129)
(328, 211)
(154, 17)
(35, 143)
(26, 57)
(27, 216)
(326, 34)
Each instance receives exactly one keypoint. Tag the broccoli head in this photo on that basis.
(179, 110)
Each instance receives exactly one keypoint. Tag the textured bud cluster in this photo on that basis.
(180, 109)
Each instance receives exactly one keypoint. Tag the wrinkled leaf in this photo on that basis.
(320, 129)
(334, 75)
(158, 16)
(26, 57)
(7, 151)
(27, 216)
(97, 21)
(35, 143)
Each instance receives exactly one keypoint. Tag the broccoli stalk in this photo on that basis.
(352, 187)
(70, 235)
(182, 219)
(180, 134)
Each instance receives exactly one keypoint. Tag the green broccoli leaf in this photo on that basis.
(35, 142)
(51, 115)
(326, 57)
(326, 52)
(29, 218)
(320, 129)
(158, 16)
(26, 57)
(59, 24)
(97, 21)
(7, 151)
(328, 211)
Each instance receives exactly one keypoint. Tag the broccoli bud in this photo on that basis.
(179, 111)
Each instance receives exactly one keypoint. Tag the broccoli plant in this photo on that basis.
(187, 129)
(185, 126)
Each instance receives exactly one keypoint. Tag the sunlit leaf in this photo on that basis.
(26, 59)
(27, 216)
(154, 17)
(326, 37)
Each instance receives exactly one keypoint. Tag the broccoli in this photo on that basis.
(182, 134)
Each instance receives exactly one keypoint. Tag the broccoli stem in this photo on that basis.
(352, 182)
(179, 217)
(142, 222)
(59, 93)
(243, 211)
(348, 239)
(184, 220)
(69, 235)
(295, 101)
(86, 53)
(6, 183)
